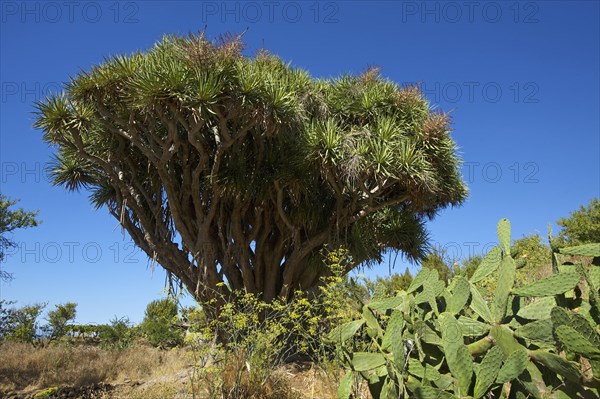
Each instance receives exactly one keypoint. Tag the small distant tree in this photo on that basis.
(582, 226)
(59, 319)
(159, 324)
(19, 324)
(11, 220)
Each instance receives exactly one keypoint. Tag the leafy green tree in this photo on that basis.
(11, 220)
(159, 324)
(582, 226)
(19, 324)
(59, 319)
(533, 250)
(225, 167)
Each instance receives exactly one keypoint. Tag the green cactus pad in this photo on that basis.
(427, 372)
(419, 279)
(479, 305)
(503, 337)
(373, 328)
(504, 235)
(553, 285)
(582, 250)
(459, 297)
(538, 309)
(457, 354)
(426, 333)
(425, 392)
(342, 333)
(514, 365)
(577, 343)
(345, 388)
(426, 295)
(583, 326)
(388, 391)
(364, 361)
(472, 328)
(488, 371)
(538, 332)
(393, 330)
(560, 316)
(488, 265)
(384, 304)
(559, 365)
(506, 279)
(594, 275)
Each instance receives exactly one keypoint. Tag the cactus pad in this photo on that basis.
(506, 279)
(488, 265)
(553, 285)
(488, 371)
(538, 310)
(457, 354)
(514, 365)
(479, 305)
(504, 235)
(592, 250)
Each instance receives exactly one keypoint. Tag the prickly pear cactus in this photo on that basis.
(436, 341)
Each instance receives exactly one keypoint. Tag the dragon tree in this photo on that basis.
(231, 168)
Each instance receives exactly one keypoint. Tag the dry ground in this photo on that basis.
(138, 372)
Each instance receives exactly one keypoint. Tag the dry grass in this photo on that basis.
(25, 368)
(160, 374)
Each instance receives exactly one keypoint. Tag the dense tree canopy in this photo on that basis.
(225, 167)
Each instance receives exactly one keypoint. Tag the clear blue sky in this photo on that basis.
(521, 77)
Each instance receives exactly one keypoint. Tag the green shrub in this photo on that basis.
(160, 324)
(119, 334)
